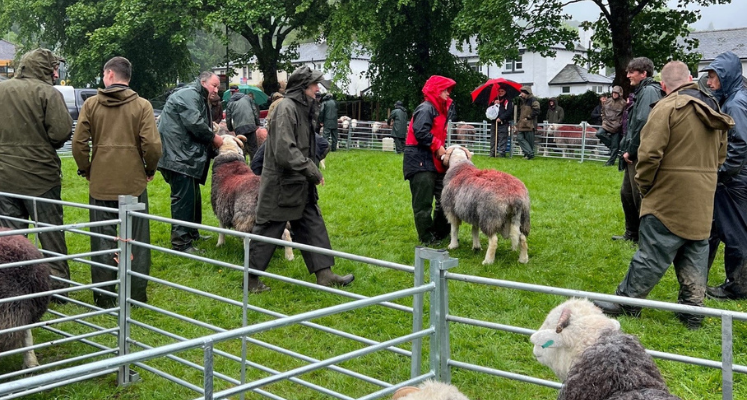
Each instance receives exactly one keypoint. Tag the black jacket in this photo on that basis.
(420, 158)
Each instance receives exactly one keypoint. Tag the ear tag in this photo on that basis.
(548, 344)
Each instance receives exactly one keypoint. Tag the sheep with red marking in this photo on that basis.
(464, 133)
(491, 201)
(20, 281)
(234, 192)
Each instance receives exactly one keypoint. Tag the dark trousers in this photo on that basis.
(250, 133)
(140, 255)
(499, 139)
(630, 197)
(399, 144)
(658, 248)
(730, 227)
(331, 135)
(186, 205)
(612, 141)
(430, 221)
(526, 142)
(309, 230)
(46, 213)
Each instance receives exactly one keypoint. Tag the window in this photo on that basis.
(474, 66)
(246, 72)
(597, 89)
(566, 89)
(516, 65)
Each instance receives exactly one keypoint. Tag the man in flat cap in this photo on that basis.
(288, 188)
(29, 164)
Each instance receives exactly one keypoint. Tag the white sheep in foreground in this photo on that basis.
(491, 201)
(594, 358)
(19, 281)
(429, 390)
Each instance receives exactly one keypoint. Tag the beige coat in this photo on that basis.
(682, 145)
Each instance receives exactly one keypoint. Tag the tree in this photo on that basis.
(266, 25)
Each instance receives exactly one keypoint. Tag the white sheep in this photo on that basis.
(19, 281)
(429, 390)
(491, 201)
(593, 358)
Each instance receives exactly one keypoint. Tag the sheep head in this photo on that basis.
(429, 390)
(456, 154)
(232, 145)
(567, 331)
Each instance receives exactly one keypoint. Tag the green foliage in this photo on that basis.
(577, 108)
(366, 206)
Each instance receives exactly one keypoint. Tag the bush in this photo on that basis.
(577, 107)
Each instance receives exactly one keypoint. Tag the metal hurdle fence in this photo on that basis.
(114, 341)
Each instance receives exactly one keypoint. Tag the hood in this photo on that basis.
(236, 96)
(327, 97)
(432, 91)
(553, 101)
(711, 118)
(398, 104)
(618, 90)
(729, 70)
(116, 95)
(526, 89)
(301, 78)
(38, 64)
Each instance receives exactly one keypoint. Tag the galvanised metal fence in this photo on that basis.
(133, 337)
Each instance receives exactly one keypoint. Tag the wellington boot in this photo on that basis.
(326, 277)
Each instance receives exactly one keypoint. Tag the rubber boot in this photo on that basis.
(326, 277)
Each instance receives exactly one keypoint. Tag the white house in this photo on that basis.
(713, 43)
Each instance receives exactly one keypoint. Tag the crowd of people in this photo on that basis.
(682, 149)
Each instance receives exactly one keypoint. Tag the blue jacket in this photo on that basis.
(733, 99)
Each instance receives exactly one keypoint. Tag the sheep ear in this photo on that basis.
(547, 338)
(404, 391)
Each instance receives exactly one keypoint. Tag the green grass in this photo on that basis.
(366, 205)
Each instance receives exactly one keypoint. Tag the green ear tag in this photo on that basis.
(548, 344)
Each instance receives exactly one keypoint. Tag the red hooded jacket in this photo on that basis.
(432, 90)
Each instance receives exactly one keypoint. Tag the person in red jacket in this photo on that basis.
(422, 166)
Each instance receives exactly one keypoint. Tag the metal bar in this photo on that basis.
(490, 325)
(56, 258)
(54, 364)
(417, 317)
(504, 374)
(393, 388)
(53, 321)
(53, 292)
(56, 385)
(53, 228)
(727, 358)
(244, 310)
(208, 371)
(60, 202)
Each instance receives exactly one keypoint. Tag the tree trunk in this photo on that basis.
(622, 40)
(267, 57)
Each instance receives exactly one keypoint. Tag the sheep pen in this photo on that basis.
(20, 281)
(491, 201)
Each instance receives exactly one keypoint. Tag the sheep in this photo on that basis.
(19, 281)
(429, 390)
(261, 135)
(594, 358)
(491, 201)
(463, 133)
(234, 191)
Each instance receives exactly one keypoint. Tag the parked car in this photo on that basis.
(74, 99)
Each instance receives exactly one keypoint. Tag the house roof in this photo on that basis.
(7, 50)
(573, 74)
(713, 43)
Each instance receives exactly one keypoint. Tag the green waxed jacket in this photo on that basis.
(647, 94)
(36, 123)
(398, 120)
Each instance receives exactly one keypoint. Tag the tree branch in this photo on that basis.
(637, 10)
(605, 11)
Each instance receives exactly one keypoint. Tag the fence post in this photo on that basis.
(584, 124)
(417, 315)
(127, 204)
(727, 358)
(207, 383)
(439, 262)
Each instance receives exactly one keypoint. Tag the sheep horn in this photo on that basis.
(564, 320)
(242, 138)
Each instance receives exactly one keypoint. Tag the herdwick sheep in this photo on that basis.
(235, 191)
(464, 132)
(491, 201)
(594, 358)
(429, 390)
(19, 281)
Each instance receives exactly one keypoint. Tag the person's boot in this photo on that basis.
(326, 277)
(626, 236)
(615, 309)
(256, 286)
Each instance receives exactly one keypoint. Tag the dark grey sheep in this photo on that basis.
(615, 367)
(19, 281)
(234, 191)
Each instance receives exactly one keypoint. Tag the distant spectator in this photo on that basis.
(242, 119)
(609, 133)
(398, 120)
(502, 110)
(596, 113)
(328, 120)
(216, 108)
(527, 123)
(555, 113)
(274, 100)
(36, 123)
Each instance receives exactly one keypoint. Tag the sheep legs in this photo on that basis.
(29, 357)
(221, 236)
(476, 238)
(492, 247)
(454, 222)
(288, 250)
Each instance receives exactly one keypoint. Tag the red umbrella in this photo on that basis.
(488, 91)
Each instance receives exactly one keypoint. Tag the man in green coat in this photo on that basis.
(121, 127)
(681, 147)
(527, 123)
(37, 123)
(328, 119)
(187, 140)
(398, 120)
(287, 191)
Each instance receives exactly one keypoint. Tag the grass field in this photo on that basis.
(366, 205)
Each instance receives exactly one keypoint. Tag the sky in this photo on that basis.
(723, 16)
